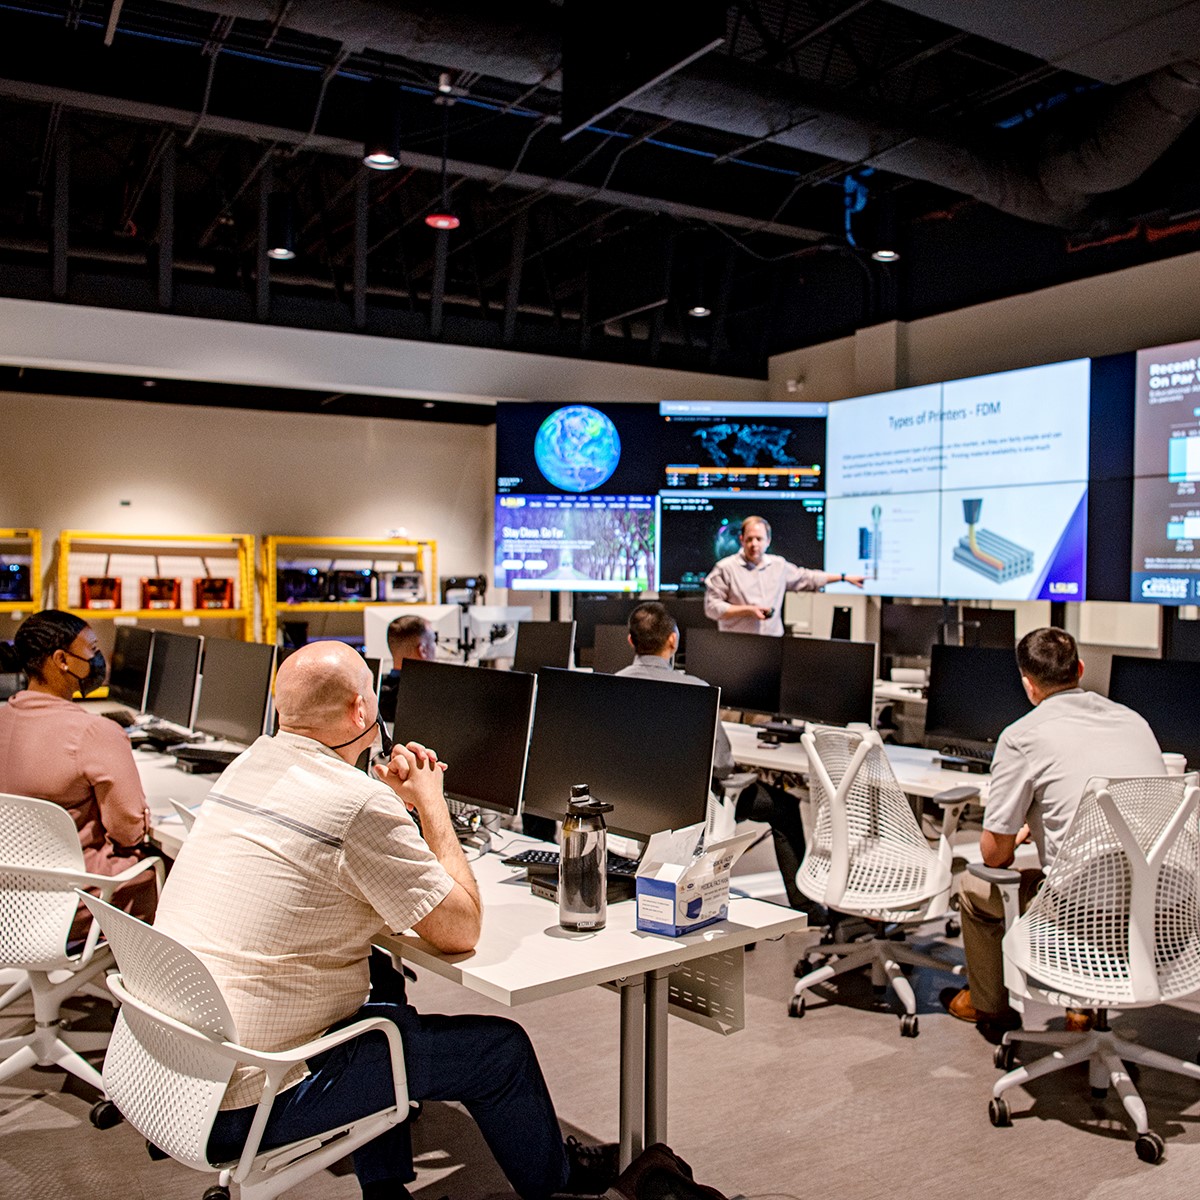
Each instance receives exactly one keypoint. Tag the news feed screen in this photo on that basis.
(974, 488)
(1165, 551)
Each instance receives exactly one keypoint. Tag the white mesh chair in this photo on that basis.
(187, 816)
(867, 857)
(1116, 924)
(174, 1049)
(41, 866)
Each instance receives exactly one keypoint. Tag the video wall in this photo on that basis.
(980, 488)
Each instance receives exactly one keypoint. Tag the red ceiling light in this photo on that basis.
(442, 220)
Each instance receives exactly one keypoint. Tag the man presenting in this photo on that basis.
(295, 863)
(744, 591)
(1041, 766)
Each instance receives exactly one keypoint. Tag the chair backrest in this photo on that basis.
(867, 852)
(1118, 917)
(36, 911)
(167, 1084)
(186, 815)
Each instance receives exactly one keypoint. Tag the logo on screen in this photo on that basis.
(1159, 588)
(577, 448)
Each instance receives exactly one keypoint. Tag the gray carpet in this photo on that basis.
(834, 1104)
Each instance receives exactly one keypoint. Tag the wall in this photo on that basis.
(70, 463)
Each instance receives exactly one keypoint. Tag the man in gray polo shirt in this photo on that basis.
(744, 592)
(1042, 765)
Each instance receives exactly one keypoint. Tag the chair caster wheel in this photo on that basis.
(105, 1114)
(1099, 1093)
(1004, 1057)
(909, 1025)
(999, 1113)
(216, 1192)
(156, 1155)
(796, 1006)
(1149, 1147)
(953, 928)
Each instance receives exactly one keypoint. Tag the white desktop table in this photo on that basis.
(915, 769)
(524, 955)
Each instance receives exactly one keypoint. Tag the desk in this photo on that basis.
(915, 769)
(523, 955)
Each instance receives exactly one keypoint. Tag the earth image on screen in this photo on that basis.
(577, 448)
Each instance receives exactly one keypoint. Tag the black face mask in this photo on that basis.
(96, 675)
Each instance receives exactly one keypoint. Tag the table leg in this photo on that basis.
(657, 991)
(633, 1068)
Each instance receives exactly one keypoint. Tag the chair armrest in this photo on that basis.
(1000, 876)
(106, 885)
(963, 794)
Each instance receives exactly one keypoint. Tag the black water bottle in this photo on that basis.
(582, 900)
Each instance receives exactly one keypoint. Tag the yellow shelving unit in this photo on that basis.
(420, 552)
(236, 547)
(21, 543)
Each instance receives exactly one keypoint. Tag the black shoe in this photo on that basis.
(594, 1169)
(818, 914)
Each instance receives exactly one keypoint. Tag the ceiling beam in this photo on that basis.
(133, 110)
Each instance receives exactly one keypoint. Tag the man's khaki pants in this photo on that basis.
(982, 911)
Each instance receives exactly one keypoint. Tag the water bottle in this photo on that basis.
(582, 901)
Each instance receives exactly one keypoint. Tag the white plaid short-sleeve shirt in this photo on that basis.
(295, 863)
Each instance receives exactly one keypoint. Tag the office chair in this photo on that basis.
(173, 1052)
(41, 868)
(187, 816)
(1115, 925)
(868, 858)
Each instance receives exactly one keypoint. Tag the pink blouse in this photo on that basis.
(52, 749)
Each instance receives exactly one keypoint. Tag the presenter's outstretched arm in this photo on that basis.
(842, 577)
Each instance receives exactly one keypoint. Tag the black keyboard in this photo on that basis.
(547, 859)
(973, 753)
(122, 718)
(205, 756)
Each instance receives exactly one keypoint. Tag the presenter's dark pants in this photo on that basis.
(486, 1063)
(781, 810)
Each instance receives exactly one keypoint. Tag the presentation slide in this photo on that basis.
(885, 443)
(567, 544)
(890, 540)
(1014, 543)
(695, 530)
(1165, 550)
(772, 448)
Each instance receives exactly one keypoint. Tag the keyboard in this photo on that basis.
(971, 753)
(208, 757)
(544, 861)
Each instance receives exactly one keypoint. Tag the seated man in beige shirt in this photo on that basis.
(295, 863)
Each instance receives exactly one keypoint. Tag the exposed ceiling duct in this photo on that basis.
(1058, 183)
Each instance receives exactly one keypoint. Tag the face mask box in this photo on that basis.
(682, 887)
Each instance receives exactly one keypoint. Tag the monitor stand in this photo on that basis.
(469, 827)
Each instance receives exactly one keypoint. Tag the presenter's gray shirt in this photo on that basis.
(651, 666)
(733, 580)
(1044, 760)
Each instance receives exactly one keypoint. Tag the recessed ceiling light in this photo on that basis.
(427, 404)
(886, 256)
(442, 221)
(699, 310)
(149, 383)
(281, 253)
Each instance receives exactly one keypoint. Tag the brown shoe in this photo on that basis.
(1079, 1020)
(957, 1002)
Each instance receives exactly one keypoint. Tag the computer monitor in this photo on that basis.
(174, 669)
(989, 628)
(973, 695)
(544, 644)
(909, 630)
(235, 689)
(130, 666)
(491, 629)
(641, 745)
(591, 611)
(478, 722)
(612, 651)
(1163, 691)
(446, 620)
(375, 666)
(745, 666)
(827, 682)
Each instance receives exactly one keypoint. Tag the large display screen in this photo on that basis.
(1165, 551)
(974, 488)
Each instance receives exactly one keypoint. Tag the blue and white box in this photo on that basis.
(683, 884)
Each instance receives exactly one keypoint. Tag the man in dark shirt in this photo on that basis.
(407, 637)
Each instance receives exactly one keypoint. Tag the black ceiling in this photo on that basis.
(138, 142)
